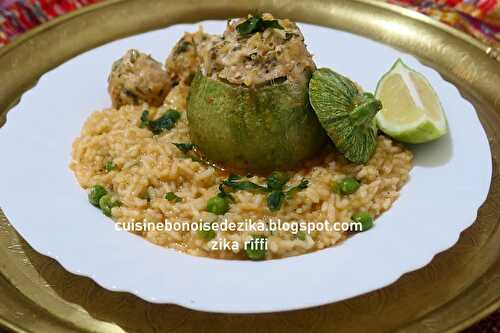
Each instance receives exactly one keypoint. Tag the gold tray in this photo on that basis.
(457, 288)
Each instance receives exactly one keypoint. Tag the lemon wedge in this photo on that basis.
(411, 112)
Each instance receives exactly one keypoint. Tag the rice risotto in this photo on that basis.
(244, 101)
(148, 166)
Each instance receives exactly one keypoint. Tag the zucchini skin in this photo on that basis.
(346, 113)
(254, 129)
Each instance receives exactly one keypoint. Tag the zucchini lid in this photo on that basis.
(346, 113)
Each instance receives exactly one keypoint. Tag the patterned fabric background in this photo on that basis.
(20, 16)
(479, 18)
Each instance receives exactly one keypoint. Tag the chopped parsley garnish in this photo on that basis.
(185, 147)
(275, 200)
(236, 182)
(191, 151)
(277, 180)
(165, 122)
(257, 24)
(224, 195)
(304, 183)
(144, 119)
(275, 186)
(172, 197)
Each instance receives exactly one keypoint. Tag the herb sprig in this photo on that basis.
(275, 186)
(304, 183)
(191, 151)
(172, 197)
(185, 147)
(236, 182)
(165, 122)
(256, 24)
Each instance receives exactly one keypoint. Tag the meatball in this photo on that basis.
(188, 54)
(137, 78)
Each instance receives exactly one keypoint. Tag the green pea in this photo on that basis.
(349, 185)
(301, 235)
(256, 249)
(365, 219)
(106, 203)
(217, 205)
(96, 193)
(207, 234)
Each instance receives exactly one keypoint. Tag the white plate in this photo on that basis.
(43, 201)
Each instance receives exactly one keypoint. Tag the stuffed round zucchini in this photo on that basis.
(248, 106)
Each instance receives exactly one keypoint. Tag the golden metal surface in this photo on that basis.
(460, 285)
